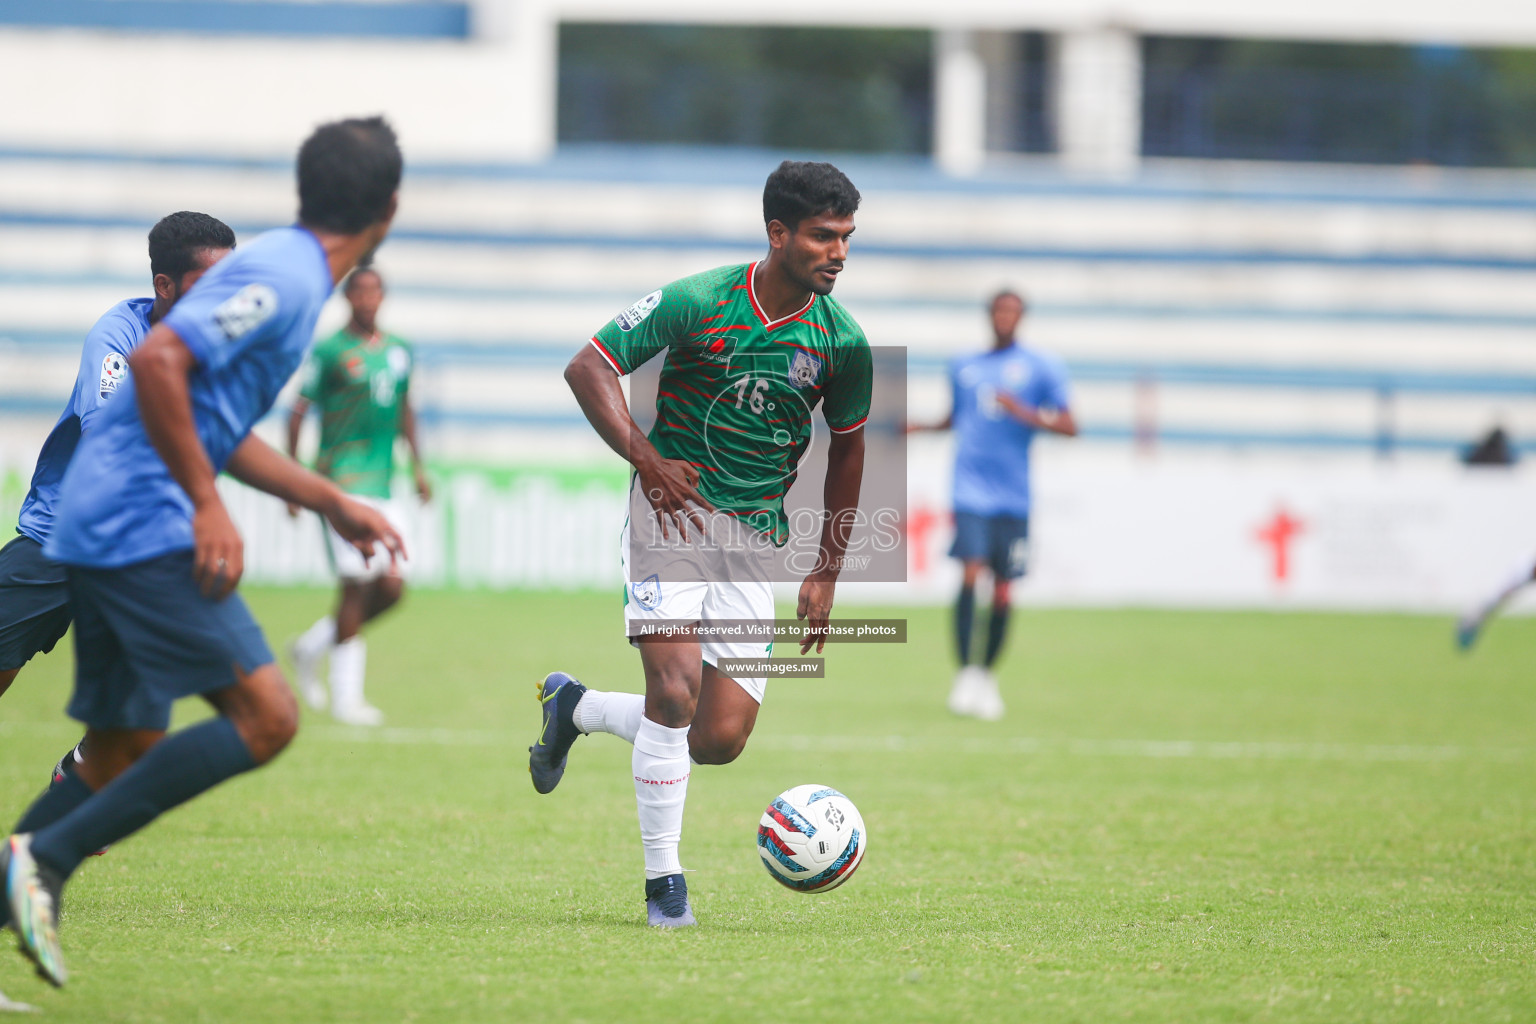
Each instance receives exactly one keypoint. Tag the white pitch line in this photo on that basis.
(1000, 746)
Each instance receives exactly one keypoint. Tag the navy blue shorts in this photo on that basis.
(1000, 541)
(34, 602)
(145, 636)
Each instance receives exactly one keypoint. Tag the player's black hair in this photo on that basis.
(346, 289)
(348, 171)
(175, 242)
(798, 189)
(1008, 293)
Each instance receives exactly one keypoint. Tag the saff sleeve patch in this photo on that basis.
(631, 317)
(246, 310)
(114, 370)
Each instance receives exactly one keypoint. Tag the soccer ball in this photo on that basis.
(811, 838)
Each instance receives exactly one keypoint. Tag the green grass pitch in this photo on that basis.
(1184, 817)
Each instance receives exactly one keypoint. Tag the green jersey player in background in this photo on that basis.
(752, 350)
(359, 379)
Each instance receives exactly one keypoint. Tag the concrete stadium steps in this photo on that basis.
(497, 274)
(1466, 223)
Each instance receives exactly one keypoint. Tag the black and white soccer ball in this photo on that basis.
(811, 838)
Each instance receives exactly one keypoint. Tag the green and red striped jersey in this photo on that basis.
(738, 390)
(359, 386)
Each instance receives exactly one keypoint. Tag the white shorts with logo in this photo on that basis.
(348, 561)
(653, 598)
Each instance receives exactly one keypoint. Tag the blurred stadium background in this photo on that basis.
(1287, 253)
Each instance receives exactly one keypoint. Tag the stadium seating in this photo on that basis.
(1242, 307)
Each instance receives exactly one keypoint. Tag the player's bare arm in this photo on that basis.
(408, 431)
(261, 466)
(1056, 421)
(670, 485)
(840, 494)
(295, 428)
(160, 367)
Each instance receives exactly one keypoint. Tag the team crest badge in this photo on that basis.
(804, 370)
(631, 317)
(647, 592)
(245, 310)
(399, 363)
(114, 370)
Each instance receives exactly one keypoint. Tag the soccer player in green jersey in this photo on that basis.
(752, 350)
(359, 379)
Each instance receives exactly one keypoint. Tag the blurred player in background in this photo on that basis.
(1470, 625)
(359, 379)
(154, 557)
(34, 594)
(751, 350)
(1000, 400)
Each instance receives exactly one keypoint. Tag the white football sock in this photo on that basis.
(317, 639)
(616, 713)
(661, 771)
(349, 660)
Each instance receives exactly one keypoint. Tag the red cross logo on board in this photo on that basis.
(919, 525)
(1277, 535)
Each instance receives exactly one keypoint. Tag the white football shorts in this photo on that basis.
(348, 561)
(703, 585)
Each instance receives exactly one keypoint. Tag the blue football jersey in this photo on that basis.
(247, 323)
(103, 370)
(991, 447)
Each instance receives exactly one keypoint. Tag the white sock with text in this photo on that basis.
(661, 769)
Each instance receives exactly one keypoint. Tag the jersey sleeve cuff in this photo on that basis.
(608, 356)
(850, 428)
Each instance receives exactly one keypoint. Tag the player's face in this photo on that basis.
(365, 294)
(201, 264)
(202, 260)
(815, 251)
(1006, 314)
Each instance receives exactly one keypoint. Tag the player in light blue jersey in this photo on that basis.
(34, 597)
(152, 554)
(1000, 400)
(34, 594)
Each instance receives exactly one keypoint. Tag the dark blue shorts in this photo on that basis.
(145, 636)
(34, 602)
(1000, 541)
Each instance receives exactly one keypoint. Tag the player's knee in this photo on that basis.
(707, 747)
(387, 593)
(269, 720)
(278, 726)
(1001, 595)
(670, 703)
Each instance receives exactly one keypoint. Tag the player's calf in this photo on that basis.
(110, 752)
